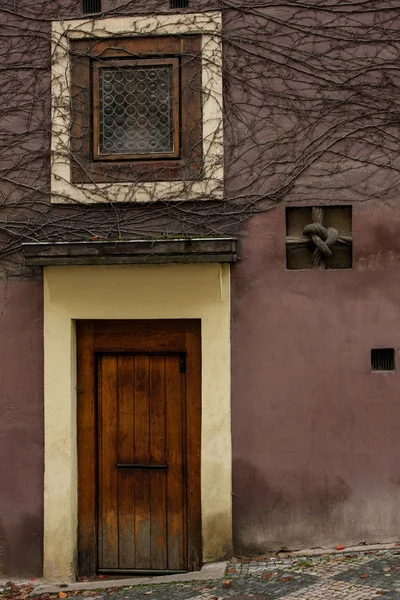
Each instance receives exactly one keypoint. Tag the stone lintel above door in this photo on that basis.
(128, 252)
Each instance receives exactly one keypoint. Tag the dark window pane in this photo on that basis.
(135, 110)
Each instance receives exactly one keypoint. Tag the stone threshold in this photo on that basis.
(209, 571)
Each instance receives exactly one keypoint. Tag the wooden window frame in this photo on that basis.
(85, 168)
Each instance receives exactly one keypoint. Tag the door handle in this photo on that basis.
(136, 466)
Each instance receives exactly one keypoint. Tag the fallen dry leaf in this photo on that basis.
(227, 584)
(339, 547)
(285, 578)
(267, 575)
(364, 576)
(203, 586)
(62, 595)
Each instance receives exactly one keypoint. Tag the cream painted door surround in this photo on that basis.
(196, 291)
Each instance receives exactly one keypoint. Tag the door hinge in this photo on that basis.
(182, 363)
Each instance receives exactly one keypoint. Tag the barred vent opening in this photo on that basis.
(91, 6)
(382, 359)
(179, 3)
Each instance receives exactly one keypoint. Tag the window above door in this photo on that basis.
(136, 109)
(138, 116)
(136, 113)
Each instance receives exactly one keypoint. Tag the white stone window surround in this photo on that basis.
(208, 25)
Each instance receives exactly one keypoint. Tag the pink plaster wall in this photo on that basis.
(316, 434)
(21, 427)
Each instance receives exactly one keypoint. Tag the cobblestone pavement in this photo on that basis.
(348, 576)
(351, 576)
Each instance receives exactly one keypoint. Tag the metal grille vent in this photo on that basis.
(382, 359)
(179, 3)
(91, 6)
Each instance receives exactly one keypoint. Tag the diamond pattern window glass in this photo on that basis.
(137, 112)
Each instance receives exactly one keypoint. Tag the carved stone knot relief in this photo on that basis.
(321, 239)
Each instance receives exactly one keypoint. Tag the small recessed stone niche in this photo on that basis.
(319, 237)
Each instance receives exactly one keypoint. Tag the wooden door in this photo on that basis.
(139, 467)
(142, 481)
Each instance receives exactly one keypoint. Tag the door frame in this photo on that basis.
(178, 291)
(136, 336)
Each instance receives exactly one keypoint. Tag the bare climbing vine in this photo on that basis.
(311, 110)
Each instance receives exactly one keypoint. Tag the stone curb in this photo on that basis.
(346, 550)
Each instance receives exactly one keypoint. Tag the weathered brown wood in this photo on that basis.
(128, 47)
(80, 102)
(142, 456)
(186, 246)
(139, 336)
(132, 252)
(126, 455)
(149, 519)
(189, 166)
(108, 475)
(193, 429)
(144, 247)
(176, 459)
(86, 441)
(192, 154)
(131, 260)
(158, 480)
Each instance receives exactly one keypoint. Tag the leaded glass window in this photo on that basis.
(137, 109)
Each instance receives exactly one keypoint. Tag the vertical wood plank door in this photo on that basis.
(142, 524)
(139, 446)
